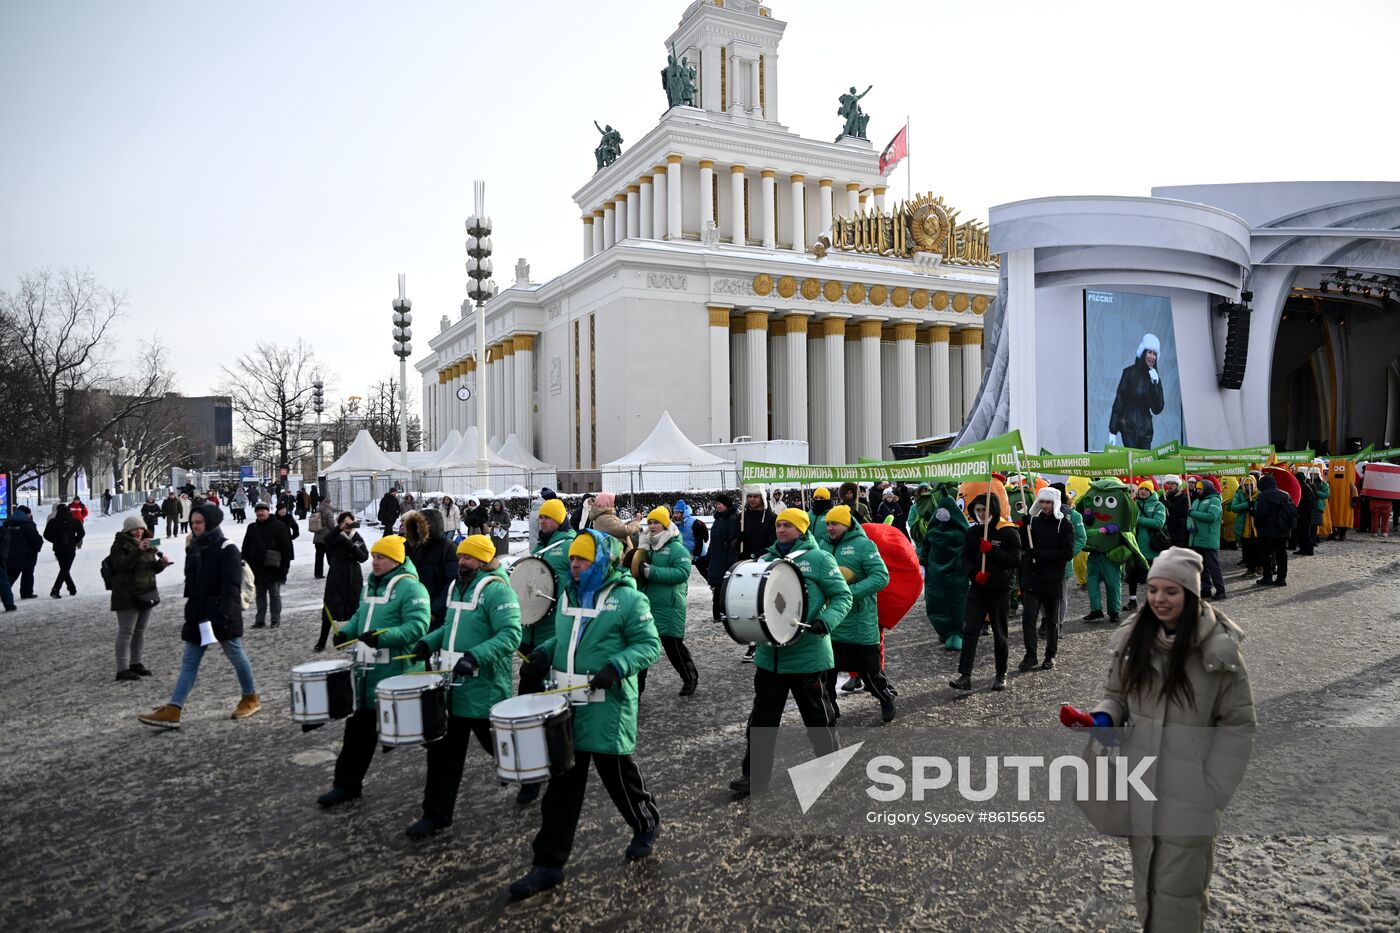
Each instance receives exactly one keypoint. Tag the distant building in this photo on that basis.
(208, 424)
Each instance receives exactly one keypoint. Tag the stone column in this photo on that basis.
(609, 225)
(824, 205)
(456, 378)
(796, 390)
(587, 236)
(646, 209)
(955, 380)
(906, 403)
(756, 324)
(738, 376)
(524, 394)
(738, 233)
(855, 394)
(620, 213)
(707, 192)
(770, 216)
(816, 395)
(834, 379)
(852, 198)
(492, 383)
(634, 217)
(777, 378)
(870, 403)
(507, 427)
(599, 241)
(939, 380)
(719, 374)
(923, 389)
(660, 197)
(972, 367)
(880, 198)
(466, 376)
(674, 204)
(799, 213)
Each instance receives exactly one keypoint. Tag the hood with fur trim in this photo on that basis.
(1000, 504)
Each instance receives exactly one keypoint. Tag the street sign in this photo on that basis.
(282, 472)
(464, 394)
(245, 472)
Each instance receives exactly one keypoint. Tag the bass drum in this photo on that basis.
(764, 602)
(532, 579)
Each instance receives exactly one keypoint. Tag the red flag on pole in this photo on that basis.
(897, 150)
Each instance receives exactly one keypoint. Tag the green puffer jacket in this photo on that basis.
(1205, 514)
(133, 570)
(828, 599)
(404, 620)
(487, 623)
(1152, 513)
(623, 635)
(1081, 538)
(1243, 507)
(817, 525)
(667, 583)
(940, 553)
(554, 552)
(1322, 492)
(855, 551)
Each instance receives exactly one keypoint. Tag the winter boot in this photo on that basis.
(422, 828)
(538, 880)
(954, 643)
(1113, 618)
(851, 685)
(964, 682)
(163, 717)
(140, 670)
(1048, 664)
(336, 796)
(1000, 683)
(1094, 615)
(642, 843)
(128, 675)
(528, 794)
(247, 706)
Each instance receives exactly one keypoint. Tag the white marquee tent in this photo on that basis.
(667, 460)
(362, 474)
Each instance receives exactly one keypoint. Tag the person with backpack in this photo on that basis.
(214, 594)
(25, 545)
(65, 532)
(129, 571)
(322, 525)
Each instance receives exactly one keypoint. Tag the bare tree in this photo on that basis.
(59, 356)
(271, 391)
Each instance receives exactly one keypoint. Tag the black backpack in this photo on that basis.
(105, 568)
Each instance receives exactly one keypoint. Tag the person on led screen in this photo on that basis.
(1139, 396)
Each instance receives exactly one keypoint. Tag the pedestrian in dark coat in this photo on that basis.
(1178, 505)
(267, 549)
(389, 511)
(576, 516)
(150, 513)
(1047, 545)
(723, 548)
(432, 553)
(988, 596)
(65, 533)
(284, 515)
(303, 504)
(889, 508)
(1302, 528)
(1275, 516)
(345, 552)
(756, 532)
(25, 545)
(133, 567)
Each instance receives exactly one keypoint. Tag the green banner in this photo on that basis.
(1261, 454)
(1002, 443)
(961, 469)
(1169, 449)
(1368, 451)
(1388, 454)
(1218, 469)
(1137, 452)
(1295, 456)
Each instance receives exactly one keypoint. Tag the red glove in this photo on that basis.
(1074, 716)
(981, 578)
(984, 546)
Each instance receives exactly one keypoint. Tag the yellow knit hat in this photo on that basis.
(584, 547)
(840, 514)
(822, 493)
(479, 546)
(554, 509)
(796, 518)
(660, 514)
(391, 547)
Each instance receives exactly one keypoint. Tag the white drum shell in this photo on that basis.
(532, 579)
(400, 701)
(518, 730)
(310, 694)
(765, 602)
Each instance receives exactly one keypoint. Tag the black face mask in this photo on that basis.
(465, 576)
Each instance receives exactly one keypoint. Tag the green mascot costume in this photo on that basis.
(1110, 519)
(940, 553)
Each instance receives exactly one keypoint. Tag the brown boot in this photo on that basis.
(163, 717)
(247, 706)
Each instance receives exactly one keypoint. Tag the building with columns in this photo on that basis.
(750, 281)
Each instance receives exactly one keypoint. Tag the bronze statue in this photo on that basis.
(678, 79)
(609, 147)
(854, 116)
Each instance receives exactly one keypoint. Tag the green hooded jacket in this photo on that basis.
(828, 599)
(858, 553)
(403, 618)
(940, 553)
(1206, 512)
(1152, 514)
(487, 623)
(666, 583)
(1081, 537)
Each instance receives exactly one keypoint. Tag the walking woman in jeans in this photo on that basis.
(133, 565)
(213, 594)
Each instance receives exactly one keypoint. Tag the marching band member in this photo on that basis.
(555, 537)
(482, 622)
(393, 615)
(801, 667)
(603, 631)
(856, 646)
(666, 582)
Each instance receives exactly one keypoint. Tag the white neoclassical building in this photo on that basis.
(748, 280)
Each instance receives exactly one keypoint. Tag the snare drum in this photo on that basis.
(412, 709)
(763, 602)
(324, 690)
(534, 738)
(532, 579)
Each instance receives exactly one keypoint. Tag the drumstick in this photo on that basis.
(545, 693)
(411, 673)
(356, 641)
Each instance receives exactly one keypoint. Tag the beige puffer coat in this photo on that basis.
(1201, 759)
(607, 521)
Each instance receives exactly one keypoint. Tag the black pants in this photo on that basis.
(1249, 547)
(446, 758)
(320, 561)
(563, 802)
(26, 582)
(1135, 576)
(1302, 539)
(1049, 606)
(356, 752)
(65, 564)
(171, 525)
(679, 656)
(1212, 580)
(1275, 554)
(864, 662)
(982, 606)
(770, 693)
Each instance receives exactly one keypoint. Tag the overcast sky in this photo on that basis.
(266, 168)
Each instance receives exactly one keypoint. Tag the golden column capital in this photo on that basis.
(737, 325)
(769, 173)
(879, 190)
(608, 205)
(524, 343)
(507, 347)
(719, 316)
(597, 214)
(777, 327)
(755, 320)
(852, 186)
(797, 178)
(620, 197)
(826, 182)
(972, 337)
(939, 333)
(796, 323)
(870, 329)
(658, 169)
(736, 169)
(634, 189)
(674, 158)
(906, 331)
(588, 219)
(644, 180)
(707, 163)
(833, 326)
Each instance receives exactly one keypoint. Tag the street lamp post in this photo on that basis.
(318, 402)
(481, 290)
(403, 349)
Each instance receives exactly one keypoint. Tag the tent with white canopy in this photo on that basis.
(541, 473)
(667, 460)
(363, 474)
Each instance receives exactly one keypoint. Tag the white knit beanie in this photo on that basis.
(1181, 566)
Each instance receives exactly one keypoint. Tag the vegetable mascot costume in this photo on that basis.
(940, 553)
(1110, 518)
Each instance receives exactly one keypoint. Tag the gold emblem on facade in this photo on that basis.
(924, 224)
(855, 293)
(878, 294)
(960, 302)
(900, 297)
(920, 300)
(787, 286)
(979, 304)
(811, 288)
(940, 301)
(762, 284)
(832, 291)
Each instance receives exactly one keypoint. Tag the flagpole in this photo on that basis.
(908, 165)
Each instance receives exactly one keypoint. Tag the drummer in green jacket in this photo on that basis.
(801, 667)
(483, 623)
(553, 548)
(666, 581)
(856, 646)
(609, 624)
(394, 614)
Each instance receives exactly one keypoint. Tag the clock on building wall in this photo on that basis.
(464, 394)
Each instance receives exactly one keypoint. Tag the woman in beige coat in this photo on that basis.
(1180, 692)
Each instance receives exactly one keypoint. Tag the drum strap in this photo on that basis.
(581, 619)
(451, 644)
(369, 656)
